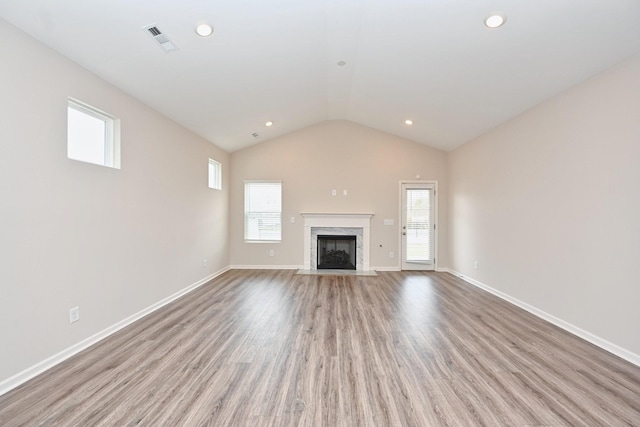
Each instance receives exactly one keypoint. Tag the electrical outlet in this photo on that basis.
(293, 220)
(334, 192)
(272, 252)
(475, 265)
(74, 314)
(344, 193)
(204, 262)
(391, 254)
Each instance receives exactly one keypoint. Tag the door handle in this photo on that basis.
(404, 234)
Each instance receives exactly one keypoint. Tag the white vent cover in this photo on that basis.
(160, 38)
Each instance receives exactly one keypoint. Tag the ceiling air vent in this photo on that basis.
(160, 38)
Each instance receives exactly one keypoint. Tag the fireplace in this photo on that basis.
(336, 224)
(336, 252)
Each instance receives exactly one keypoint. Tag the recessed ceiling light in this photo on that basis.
(204, 30)
(494, 21)
(341, 63)
(408, 122)
(268, 124)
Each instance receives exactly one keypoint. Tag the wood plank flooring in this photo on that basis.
(271, 348)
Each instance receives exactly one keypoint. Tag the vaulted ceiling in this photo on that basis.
(373, 62)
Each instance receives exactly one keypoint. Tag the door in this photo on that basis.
(418, 226)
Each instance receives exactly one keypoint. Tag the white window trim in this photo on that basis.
(112, 132)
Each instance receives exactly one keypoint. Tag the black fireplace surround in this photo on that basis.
(336, 252)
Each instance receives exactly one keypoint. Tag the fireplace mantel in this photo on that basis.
(338, 220)
(336, 215)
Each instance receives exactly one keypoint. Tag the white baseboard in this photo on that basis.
(585, 335)
(27, 374)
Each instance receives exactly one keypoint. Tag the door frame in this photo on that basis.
(435, 221)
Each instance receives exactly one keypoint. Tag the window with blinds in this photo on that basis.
(418, 225)
(262, 210)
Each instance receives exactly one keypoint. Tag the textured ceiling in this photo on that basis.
(432, 61)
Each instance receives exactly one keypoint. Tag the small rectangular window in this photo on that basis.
(262, 210)
(92, 135)
(215, 175)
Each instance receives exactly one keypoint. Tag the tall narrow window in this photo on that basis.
(215, 175)
(92, 135)
(262, 210)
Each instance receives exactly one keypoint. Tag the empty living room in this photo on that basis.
(320, 213)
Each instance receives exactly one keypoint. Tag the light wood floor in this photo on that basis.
(271, 348)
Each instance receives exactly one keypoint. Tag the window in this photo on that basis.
(262, 210)
(92, 136)
(215, 175)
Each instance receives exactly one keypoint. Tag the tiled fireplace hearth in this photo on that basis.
(345, 224)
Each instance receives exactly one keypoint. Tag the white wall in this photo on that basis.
(339, 155)
(549, 206)
(112, 242)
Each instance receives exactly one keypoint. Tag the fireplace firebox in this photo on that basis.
(336, 252)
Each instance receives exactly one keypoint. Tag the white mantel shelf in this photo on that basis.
(337, 219)
(337, 214)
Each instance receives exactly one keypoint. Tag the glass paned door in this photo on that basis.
(418, 227)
